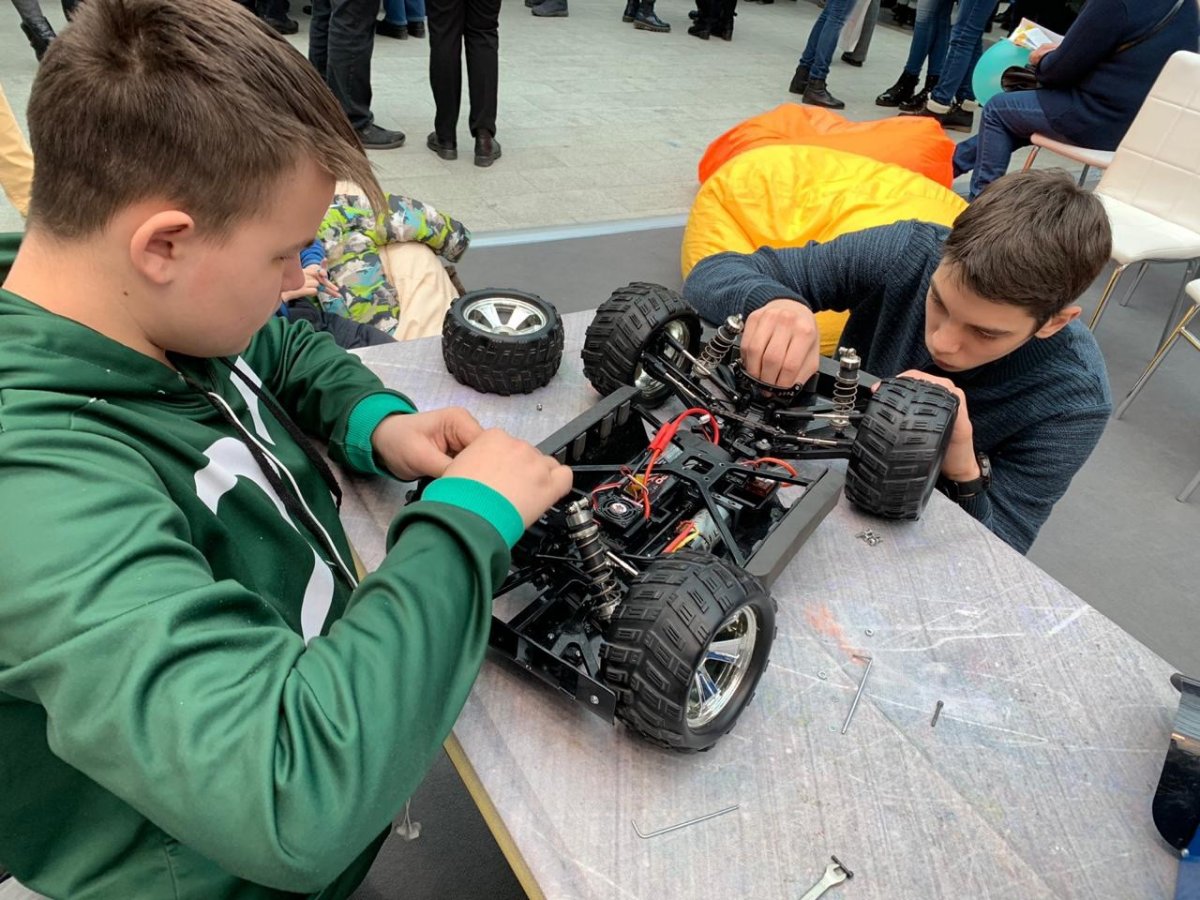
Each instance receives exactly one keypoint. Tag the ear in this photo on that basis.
(161, 243)
(1058, 322)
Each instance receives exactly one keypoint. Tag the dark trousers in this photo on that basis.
(453, 23)
(340, 40)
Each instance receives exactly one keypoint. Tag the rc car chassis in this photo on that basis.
(643, 593)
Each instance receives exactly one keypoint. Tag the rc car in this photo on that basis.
(643, 593)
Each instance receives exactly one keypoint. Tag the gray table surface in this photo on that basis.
(1036, 781)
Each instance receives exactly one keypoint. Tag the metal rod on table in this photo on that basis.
(858, 696)
(719, 812)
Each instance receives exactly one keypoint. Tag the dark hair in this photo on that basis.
(1034, 239)
(196, 101)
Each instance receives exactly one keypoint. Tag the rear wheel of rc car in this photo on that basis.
(687, 647)
(899, 449)
(502, 342)
(630, 323)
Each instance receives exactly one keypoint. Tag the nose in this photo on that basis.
(293, 275)
(945, 341)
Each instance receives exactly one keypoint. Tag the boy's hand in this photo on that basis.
(960, 463)
(527, 478)
(781, 344)
(415, 445)
(1036, 56)
(312, 278)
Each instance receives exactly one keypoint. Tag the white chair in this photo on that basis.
(1151, 189)
(1091, 159)
(1179, 331)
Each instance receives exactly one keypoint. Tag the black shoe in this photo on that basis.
(487, 149)
(917, 103)
(849, 59)
(958, 119)
(40, 34)
(700, 30)
(306, 9)
(904, 16)
(375, 138)
(722, 31)
(900, 92)
(551, 9)
(693, 14)
(284, 25)
(531, 3)
(631, 11)
(799, 81)
(444, 149)
(645, 19)
(384, 28)
(416, 29)
(816, 95)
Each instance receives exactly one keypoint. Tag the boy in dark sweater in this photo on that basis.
(198, 696)
(986, 309)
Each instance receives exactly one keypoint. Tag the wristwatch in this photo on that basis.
(965, 490)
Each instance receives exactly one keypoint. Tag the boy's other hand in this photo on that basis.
(312, 278)
(960, 463)
(416, 445)
(1037, 55)
(781, 344)
(526, 477)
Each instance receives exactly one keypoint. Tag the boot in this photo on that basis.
(646, 20)
(799, 80)
(631, 11)
(40, 34)
(551, 9)
(706, 19)
(899, 93)
(723, 28)
(816, 95)
(917, 103)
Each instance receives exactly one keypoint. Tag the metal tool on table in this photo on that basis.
(650, 834)
(862, 684)
(835, 873)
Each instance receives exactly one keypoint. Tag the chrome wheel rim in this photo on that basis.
(504, 315)
(680, 332)
(723, 667)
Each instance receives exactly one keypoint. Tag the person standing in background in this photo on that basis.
(931, 37)
(16, 160)
(402, 19)
(475, 24)
(340, 41)
(37, 28)
(813, 67)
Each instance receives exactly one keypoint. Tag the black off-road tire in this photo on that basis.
(625, 325)
(659, 636)
(899, 449)
(495, 362)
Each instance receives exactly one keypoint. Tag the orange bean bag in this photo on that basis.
(914, 142)
(788, 195)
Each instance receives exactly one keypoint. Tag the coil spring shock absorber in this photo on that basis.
(845, 388)
(585, 533)
(716, 351)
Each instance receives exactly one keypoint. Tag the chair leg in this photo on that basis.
(1180, 298)
(1159, 356)
(1033, 152)
(1125, 301)
(1083, 175)
(1187, 491)
(1108, 289)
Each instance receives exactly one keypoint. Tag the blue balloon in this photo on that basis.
(985, 81)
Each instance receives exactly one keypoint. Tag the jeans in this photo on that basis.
(1007, 123)
(964, 52)
(401, 12)
(931, 37)
(823, 39)
(340, 41)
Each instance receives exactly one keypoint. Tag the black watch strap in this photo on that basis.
(965, 490)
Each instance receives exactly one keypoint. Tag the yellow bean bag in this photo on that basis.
(788, 195)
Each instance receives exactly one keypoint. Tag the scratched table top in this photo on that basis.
(1036, 781)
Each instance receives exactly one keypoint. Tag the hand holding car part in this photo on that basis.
(422, 445)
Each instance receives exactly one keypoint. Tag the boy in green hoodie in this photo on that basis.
(197, 697)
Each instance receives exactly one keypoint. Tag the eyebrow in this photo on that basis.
(991, 332)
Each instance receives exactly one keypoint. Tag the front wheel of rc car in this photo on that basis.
(502, 342)
(898, 451)
(686, 649)
(633, 322)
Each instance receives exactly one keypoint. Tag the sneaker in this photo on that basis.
(551, 9)
(444, 149)
(384, 28)
(375, 138)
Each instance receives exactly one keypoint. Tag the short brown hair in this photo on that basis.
(1034, 239)
(196, 101)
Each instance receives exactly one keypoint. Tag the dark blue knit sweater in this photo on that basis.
(1091, 93)
(1037, 413)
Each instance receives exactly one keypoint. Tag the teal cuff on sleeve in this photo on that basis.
(477, 497)
(361, 424)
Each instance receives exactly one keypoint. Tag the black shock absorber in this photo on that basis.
(716, 351)
(845, 388)
(585, 533)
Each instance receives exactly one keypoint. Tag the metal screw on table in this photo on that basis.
(822, 674)
(539, 407)
(937, 711)
(594, 700)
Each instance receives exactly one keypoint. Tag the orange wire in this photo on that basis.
(752, 463)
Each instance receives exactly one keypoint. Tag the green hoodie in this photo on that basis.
(194, 703)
